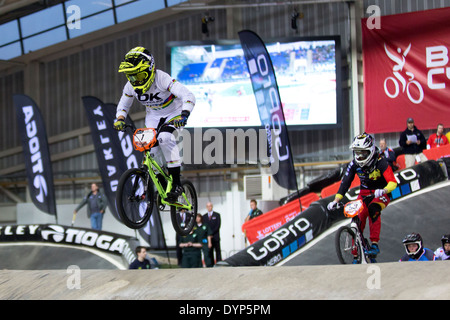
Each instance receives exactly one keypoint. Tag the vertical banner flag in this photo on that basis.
(406, 70)
(270, 110)
(37, 157)
(110, 158)
(115, 154)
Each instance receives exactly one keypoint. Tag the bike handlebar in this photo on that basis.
(369, 197)
(133, 127)
(340, 205)
(126, 126)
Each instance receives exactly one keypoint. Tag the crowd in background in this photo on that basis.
(412, 142)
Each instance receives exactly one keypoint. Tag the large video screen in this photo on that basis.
(307, 73)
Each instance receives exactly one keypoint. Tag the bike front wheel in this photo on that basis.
(184, 226)
(346, 247)
(134, 198)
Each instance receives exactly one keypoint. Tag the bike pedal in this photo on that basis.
(172, 202)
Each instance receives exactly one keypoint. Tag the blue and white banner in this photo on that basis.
(270, 109)
(36, 152)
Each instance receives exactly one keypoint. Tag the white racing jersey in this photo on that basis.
(166, 98)
(440, 254)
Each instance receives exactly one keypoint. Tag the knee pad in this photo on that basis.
(166, 138)
(169, 148)
(374, 211)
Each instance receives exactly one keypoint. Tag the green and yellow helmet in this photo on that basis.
(139, 67)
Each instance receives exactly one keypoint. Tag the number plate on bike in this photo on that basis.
(144, 139)
(353, 208)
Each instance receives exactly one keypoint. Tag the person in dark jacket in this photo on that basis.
(413, 142)
(212, 218)
(254, 211)
(141, 262)
(204, 234)
(97, 203)
(192, 250)
(389, 154)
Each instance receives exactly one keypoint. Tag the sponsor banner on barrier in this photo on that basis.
(105, 241)
(431, 154)
(417, 177)
(263, 225)
(308, 225)
(285, 240)
(11, 233)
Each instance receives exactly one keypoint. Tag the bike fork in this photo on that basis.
(359, 242)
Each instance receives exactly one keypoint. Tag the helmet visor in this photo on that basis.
(361, 155)
(412, 247)
(138, 79)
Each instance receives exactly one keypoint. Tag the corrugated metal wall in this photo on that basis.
(93, 71)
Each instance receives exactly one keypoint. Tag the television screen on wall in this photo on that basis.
(307, 72)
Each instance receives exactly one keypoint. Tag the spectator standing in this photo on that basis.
(389, 154)
(212, 218)
(181, 216)
(412, 142)
(192, 250)
(97, 203)
(141, 262)
(204, 234)
(437, 139)
(254, 211)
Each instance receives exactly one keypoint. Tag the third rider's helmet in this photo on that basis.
(363, 147)
(445, 239)
(413, 238)
(139, 67)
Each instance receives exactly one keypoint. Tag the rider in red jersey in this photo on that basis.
(376, 178)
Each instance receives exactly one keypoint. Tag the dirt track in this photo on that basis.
(408, 280)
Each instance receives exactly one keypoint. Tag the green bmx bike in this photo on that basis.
(140, 189)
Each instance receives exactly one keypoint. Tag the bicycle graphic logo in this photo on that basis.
(416, 96)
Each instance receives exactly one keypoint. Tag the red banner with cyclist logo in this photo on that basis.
(406, 70)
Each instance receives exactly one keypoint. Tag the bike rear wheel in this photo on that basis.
(183, 228)
(135, 198)
(346, 246)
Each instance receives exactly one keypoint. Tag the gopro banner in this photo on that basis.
(116, 154)
(287, 239)
(270, 110)
(259, 227)
(35, 149)
(406, 74)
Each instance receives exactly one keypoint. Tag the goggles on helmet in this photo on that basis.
(419, 246)
(137, 79)
(361, 155)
